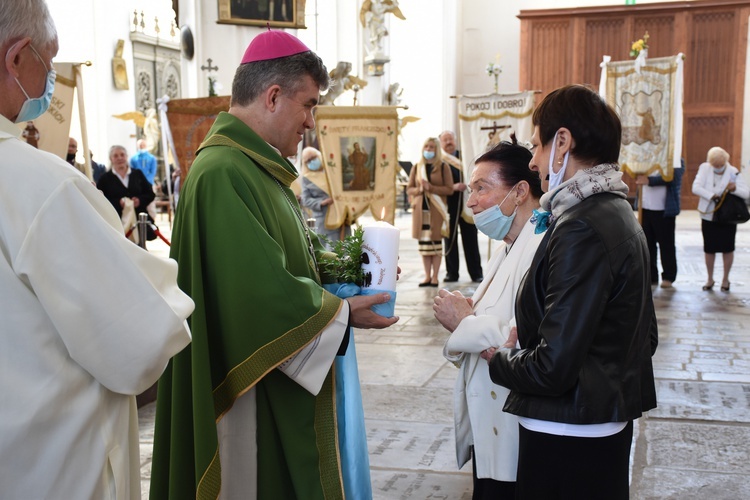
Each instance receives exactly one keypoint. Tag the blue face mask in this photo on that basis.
(34, 107)
(314, 164)
(428, 155)
(493, 222)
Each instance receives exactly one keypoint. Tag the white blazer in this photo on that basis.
(706, 185)
(478, 402)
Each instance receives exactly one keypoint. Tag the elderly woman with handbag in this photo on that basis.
(714, 177)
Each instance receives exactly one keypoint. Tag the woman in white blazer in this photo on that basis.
(504, 196)
(714, 176)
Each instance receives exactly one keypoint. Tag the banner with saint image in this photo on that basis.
(485, 120)
(648, 100)
(359, 148)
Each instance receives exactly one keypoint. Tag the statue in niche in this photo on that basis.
(341, 82)
(372, 16)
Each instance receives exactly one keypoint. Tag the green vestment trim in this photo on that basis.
(244, 259)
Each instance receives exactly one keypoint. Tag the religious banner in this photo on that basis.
(359, 148)
(485, 120)
(189, 122)
(648, 100)
(50, 131)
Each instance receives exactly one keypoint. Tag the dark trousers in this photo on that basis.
(554, 467)
(471, 247)
(489, 489)
(659, 230)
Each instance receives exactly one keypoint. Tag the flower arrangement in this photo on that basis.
(493, 69)
(346, 267)
(639, 45)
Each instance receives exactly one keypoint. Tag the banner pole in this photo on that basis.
(82, 119)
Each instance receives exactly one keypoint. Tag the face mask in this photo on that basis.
(720, 170)
(314, 164)
(555, 179)
(34, 107)
(70, 157)
(493, 222)
(428, 155)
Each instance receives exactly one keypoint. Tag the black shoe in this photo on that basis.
(450, 279)
(426, 283)
(478, 280)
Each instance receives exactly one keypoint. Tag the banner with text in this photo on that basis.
(360, 156)
(50, 131)
(649, 102)
(485, 120)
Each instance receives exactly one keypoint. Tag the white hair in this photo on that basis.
(22, 18)
(717, 157)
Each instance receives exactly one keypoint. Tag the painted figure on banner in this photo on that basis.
(358, 169)
(639, 114)
(31, 134)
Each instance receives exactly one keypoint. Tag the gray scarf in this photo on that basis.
(603, 178)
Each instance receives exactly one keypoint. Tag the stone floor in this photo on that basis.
(694, 445)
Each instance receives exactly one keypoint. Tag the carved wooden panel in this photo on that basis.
(660, 32)
(549, 63)
(703, 133)
(709, 76)
(603, 36)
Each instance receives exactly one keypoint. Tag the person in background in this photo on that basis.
(430, 181)
(121, 183)
(316, 195)
(97, 169)
(144, 161)
(459, 218)
(584, 313)
(504, 196)
(71, 156)
(89, 320)
(660, 207)
(714, 176)
(248, 410)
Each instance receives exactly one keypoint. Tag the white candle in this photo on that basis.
(380, 244)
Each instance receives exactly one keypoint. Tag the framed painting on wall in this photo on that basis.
(275, 13)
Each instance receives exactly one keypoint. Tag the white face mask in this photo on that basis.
(555, 179)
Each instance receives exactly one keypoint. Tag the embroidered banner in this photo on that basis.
(485, 120)
(190, 120)
(359, 148)
(648, 100)
(50, 131)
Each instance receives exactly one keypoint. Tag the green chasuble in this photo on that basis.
(245, 260)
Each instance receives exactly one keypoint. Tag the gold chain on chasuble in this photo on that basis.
(280, 175)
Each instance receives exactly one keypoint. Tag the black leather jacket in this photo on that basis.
(586, 321)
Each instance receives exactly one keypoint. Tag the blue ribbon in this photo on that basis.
(540, 219)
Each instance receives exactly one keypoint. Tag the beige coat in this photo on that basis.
(441, 180)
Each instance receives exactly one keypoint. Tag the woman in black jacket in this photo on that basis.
(121, 184)
(585, 315)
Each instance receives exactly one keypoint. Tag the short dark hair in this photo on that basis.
(593, 123)
(252, 79)
(512, 165)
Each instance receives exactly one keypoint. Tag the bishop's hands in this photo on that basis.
(362, 316)
(451, 308)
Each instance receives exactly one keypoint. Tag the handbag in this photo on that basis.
(731, 209)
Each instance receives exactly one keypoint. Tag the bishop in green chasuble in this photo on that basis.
(245, 260)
